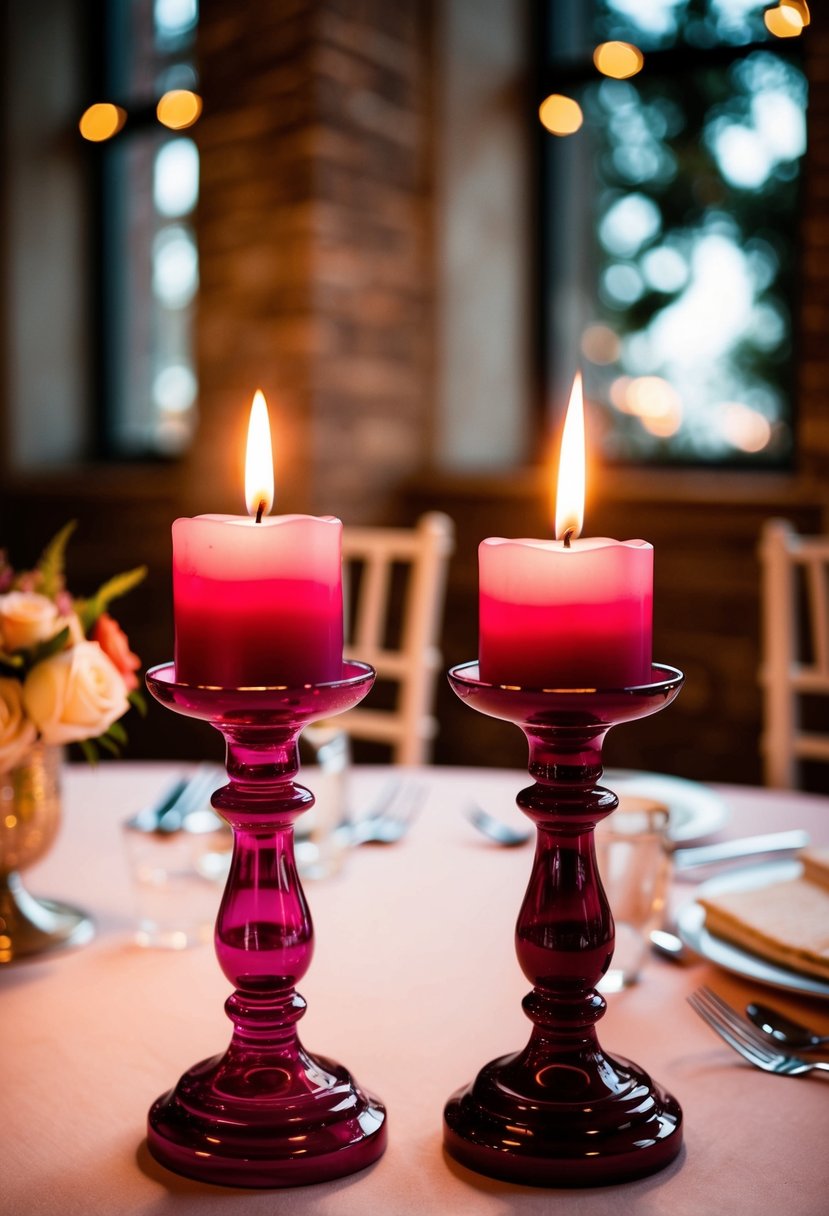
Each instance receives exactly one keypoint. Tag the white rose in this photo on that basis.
(75, 695)
(27, 618)
(17, 733)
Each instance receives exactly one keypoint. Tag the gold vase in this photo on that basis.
(30, 806)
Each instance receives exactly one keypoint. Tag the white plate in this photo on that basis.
(695, 810)
(691, 928)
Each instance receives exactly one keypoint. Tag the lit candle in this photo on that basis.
(566, 613)
(258, 598)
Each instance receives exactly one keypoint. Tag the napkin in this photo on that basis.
(785, 922)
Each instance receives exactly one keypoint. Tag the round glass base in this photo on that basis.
(506, 1129)
(290, 1122)
(31, 926)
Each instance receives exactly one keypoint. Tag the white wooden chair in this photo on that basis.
(370, 558)
(795, 604)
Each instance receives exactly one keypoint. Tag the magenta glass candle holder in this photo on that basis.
(266, 1113)
(562, 1112)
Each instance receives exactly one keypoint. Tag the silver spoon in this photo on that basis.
(670, 946)
(783, 1029)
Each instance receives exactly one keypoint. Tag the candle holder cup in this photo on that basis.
(562, 1112)
(266, 1113)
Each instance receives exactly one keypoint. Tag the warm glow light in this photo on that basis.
(178, 109)
(618, 393)
(560, 115)
(656, 404)
(600, 344)
(783, 22)
(800, 7)
(570, 494)
(744, 428)
(618, 59)
(259, 458)
(101, 121)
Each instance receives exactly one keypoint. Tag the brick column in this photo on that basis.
(314, 244)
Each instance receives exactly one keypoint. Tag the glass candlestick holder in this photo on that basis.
(562, 1112)
(266, 1113)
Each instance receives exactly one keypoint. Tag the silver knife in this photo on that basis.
(747, 846)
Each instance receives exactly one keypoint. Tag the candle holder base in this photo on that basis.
(265, 1113)
(562, 1112)
(242, 1122)
(507, 1124)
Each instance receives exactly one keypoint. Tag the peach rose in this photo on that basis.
(75, 695)
(17, 732)
(113, 641)
(27, 618)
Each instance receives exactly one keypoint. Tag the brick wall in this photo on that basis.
(314, 238)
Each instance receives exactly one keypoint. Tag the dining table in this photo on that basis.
(414, 985)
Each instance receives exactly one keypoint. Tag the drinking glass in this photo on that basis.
(634, 866)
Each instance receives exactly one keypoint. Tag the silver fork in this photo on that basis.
(746, 1041)
(391, 820)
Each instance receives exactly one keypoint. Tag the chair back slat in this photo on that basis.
(795, 635)
(819, 611)
(372, 605)
(423, 553)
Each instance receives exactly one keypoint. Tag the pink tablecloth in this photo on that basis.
(414, 985)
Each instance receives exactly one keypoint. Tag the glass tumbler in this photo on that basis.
(634, 865)
(177, 877)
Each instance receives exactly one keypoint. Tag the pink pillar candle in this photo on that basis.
(258, 603)
(553, 616)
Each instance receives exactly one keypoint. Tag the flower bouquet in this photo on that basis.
(67, 673)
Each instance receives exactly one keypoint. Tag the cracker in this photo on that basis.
(815, 865)
(786, 923)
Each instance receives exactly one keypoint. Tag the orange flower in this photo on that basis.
(113, 641)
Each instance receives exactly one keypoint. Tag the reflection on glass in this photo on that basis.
(149, 184)
(174, 19)
(174, 388)
(673, 272)
(176, 178)
(175, 266)
(580, 25)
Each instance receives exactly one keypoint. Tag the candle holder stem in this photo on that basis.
(266, 1112)
(562, 1111)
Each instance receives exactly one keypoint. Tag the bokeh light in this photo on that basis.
(783, 21)
(744, 428)
(560, 115)
(618, 59)
(656, 404)
(800, 7)
(176, 177)
(101, 121)
(178, 109)
(600, 344)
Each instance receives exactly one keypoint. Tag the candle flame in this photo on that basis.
(259, 459)
(570, 495)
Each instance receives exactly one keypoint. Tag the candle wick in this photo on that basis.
(260, 510)
(568, 532)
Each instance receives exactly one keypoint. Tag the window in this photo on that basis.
(147, 186)
(669, 221)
